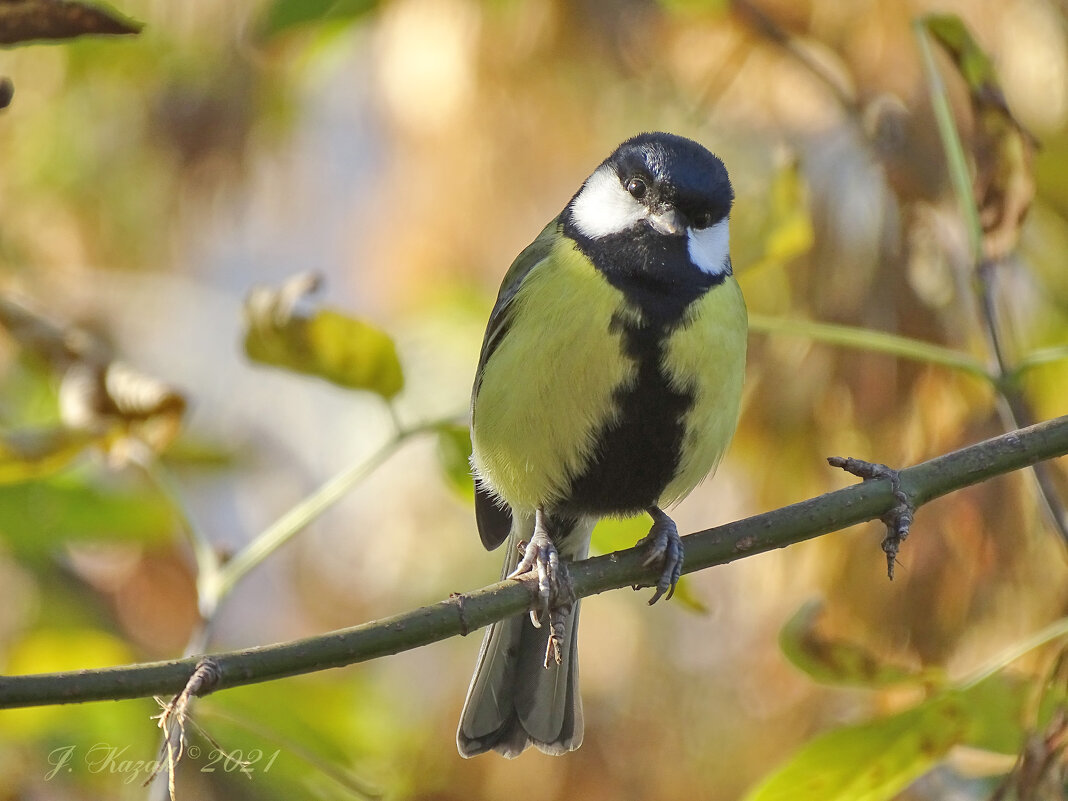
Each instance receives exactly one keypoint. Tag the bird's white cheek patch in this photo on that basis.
(604, 207)
(709, 248)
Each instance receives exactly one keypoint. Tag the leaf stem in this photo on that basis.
(1055, 630)
(1037, 358)
(866, 339)
(298, 517)
(959, 173)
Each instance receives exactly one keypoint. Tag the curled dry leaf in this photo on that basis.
(1002, 148)
(102, 401)
(122, 405)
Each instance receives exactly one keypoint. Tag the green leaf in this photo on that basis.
(315, 739)
(974, 65)
(872, 761)
(836, 661)
(875, 760)
(326, 343)
(283, 15)
(997, 707)
(37, 516)
(454, 454)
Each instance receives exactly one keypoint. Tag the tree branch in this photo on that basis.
(461, 614)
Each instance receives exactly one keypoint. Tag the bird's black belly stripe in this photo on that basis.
(635, 459)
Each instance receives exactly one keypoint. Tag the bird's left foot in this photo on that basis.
(665, 545)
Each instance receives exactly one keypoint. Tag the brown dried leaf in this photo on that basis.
(1003, 149)
(116, 405)
(31, 20)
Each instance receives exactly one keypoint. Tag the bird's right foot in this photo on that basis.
(541, 555)
(555, 597)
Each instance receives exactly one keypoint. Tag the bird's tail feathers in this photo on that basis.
(514, 701)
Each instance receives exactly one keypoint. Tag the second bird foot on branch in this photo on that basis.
(665, 546)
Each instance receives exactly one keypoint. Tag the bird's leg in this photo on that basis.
(665, 545)
(558, 614)
(555, 598)
(540, 555)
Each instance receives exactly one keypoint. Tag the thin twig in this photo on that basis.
(866, 339)
(1015, 410)
(801, 521)
(300, 516)
(205, 556)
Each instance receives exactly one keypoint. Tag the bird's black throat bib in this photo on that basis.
(653, 271)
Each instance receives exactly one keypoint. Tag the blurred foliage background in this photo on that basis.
(406, 151)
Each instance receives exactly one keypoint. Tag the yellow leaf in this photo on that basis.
(326, 343)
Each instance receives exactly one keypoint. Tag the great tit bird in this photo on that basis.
(608, 384)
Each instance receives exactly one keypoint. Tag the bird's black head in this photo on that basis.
(655, 213)
(668, 173)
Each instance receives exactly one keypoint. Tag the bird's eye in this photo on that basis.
(637, 188)
(702, 220)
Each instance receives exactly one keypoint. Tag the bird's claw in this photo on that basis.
(899, 518)
(555, 598)
(665, 546)
(554, 648)
(541, 555)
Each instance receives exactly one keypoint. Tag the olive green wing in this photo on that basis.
(534, 254)
(495, 522)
